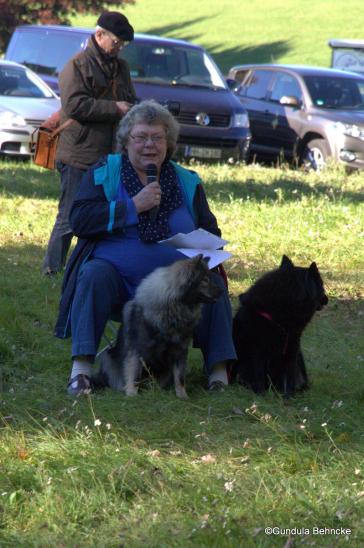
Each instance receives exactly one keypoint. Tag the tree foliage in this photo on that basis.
(23, 12)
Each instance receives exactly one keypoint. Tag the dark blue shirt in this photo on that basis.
(133, 258)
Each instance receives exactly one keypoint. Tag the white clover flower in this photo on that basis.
(229, 486)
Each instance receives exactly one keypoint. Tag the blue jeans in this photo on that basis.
(61, 235)
(100, 294)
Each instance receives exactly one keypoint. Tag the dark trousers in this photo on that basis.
(61, 235)
(100, 294)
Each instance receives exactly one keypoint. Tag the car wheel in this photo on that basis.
(315, 154)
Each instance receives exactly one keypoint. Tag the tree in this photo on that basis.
(23, 12)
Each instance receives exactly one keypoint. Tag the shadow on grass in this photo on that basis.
(269, 52)
(246, 275)
(278, 190)
(24, 179)
(33, 390)
(35, 364)
(30, 182)
(176, 30)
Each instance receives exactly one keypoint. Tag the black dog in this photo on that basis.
(268, 325)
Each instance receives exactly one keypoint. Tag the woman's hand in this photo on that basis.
(148, 197)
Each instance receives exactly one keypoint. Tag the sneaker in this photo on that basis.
(217, 386)
(80, 384)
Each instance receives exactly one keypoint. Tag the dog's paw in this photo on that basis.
(131, 391)
(181, 393)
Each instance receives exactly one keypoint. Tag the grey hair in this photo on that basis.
(151, 113)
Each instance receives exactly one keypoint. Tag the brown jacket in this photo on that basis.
(86, 77)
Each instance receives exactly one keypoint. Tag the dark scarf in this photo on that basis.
(171, 199)
(109, 63)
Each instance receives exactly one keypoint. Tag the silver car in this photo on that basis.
(25, 102)
(305, 114)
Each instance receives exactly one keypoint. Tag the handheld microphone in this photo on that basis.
(151, 172)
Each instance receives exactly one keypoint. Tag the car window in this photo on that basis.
(285, 85)
(333, 92)
(46, 52)
(17, 82)
(257, 84)
(239, 75)
(177, 65)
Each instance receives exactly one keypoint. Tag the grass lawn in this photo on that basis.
(215, 470)
(250, 31)
(218, 469)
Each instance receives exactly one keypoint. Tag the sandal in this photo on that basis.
(78, 385)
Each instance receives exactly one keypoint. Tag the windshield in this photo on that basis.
(176, 65)
(17, 82)
(46, 52)
(333, 92)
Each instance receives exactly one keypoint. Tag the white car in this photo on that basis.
(25, 102)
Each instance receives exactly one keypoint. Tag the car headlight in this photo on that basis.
(240, 119)
(9, 119)
(350, 130)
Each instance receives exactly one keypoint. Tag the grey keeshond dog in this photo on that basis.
(157, 328)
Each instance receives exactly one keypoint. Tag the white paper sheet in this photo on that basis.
(200, 241)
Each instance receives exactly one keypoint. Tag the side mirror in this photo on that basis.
(290, 101)
(232, 84)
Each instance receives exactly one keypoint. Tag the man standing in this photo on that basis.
(96, 91)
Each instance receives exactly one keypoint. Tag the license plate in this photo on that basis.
(202, 152)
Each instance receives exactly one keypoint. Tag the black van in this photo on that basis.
(214, 124)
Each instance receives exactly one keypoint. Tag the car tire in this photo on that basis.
(315, 154)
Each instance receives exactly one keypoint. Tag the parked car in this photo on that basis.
(25, 101)
(214, 124)
(347, 55)
(302, 113)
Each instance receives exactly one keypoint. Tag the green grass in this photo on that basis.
(106, 471)
(215, 470)
(250, 31)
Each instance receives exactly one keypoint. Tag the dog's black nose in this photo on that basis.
(323, 302)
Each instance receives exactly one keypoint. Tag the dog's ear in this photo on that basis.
(286, 262)
(313, 268)
(197, 259)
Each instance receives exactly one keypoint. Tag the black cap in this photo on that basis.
(117, 23)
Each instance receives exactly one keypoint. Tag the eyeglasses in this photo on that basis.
(116, 41)
(143, 139)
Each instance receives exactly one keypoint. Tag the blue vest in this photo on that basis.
(109, 176)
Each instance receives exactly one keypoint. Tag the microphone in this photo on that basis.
(151, 172)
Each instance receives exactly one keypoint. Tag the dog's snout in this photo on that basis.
(323, 302)
(214, 291)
